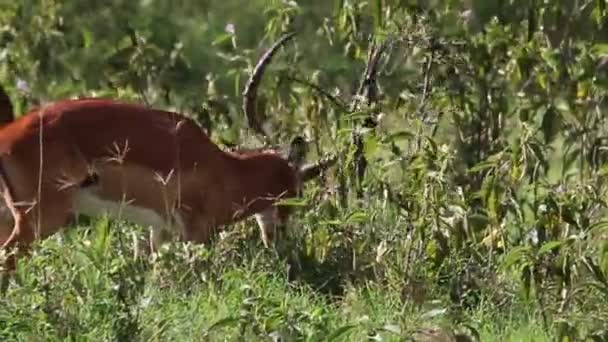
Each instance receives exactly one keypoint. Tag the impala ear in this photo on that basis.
(297, 151)
(314, 170)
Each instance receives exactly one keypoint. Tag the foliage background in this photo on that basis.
(469, 198)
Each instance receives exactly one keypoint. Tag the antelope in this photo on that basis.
(153, 167)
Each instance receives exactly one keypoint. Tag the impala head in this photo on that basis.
(273, 177)
(273, 219)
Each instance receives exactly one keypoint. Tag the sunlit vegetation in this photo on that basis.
(468, 201)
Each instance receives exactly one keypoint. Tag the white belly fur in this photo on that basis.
(88, 203)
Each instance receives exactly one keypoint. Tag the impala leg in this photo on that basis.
(268, 226)
(20, 238)
(7, 258)
(162, 229)
(198, 230)
(6, 225)
(158, 237)
(52, 212)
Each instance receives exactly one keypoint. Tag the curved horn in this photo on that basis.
(250, 92)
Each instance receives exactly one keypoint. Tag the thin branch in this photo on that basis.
(427, 83)
(369, 76)
(367, 81)
(371, 80)
(320, 90)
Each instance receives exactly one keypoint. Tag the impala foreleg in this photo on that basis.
(267, 222)
(17, 242)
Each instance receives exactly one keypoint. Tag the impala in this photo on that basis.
(149, 166)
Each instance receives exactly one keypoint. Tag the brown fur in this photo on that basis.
(149, 158)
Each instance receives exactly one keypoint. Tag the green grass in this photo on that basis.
(86, 285)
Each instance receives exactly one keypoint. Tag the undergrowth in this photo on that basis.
(90, 284)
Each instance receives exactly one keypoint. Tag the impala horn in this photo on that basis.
(251, 88)
(298, 147)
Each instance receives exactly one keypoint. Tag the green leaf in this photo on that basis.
(224, 322)
(562, 105)
(87, 37)
(370, 146)
(515, 256)
(237, 84)
(478, 220)
(222, 38)
(550, 124)
(601, 287)
(392, 328)
(432, 144)
(599, 227)
(434, 313)
(526, 279)
(359, 114)
(294, 202)
(339, 7)
(595, 270)
(341, 331)
(357, 217)
(378, 13)
(600, 50)
(483, 165)
(330, 223)
(401, 135)
(538, 153)
(549, 246)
